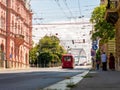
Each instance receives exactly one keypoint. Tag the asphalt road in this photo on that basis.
(36, 79)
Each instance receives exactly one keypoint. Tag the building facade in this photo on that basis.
(15, 33)
(113, 16)
(103, 2)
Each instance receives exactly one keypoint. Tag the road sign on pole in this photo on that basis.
(94, 45)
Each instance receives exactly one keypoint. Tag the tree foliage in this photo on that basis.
(50, 43)
(32, 55)
(103, 30)
(44, 58)
(49, 49)
(98, 57)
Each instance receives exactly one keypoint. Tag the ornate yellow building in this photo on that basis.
(113, 16)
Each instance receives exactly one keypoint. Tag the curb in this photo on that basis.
(62, 85)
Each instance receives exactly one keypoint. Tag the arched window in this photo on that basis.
(12, 27)
(2, 47)
(26, 58)
(2, 22)
(11, 54)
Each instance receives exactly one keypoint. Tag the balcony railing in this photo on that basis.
(111, 13)
(19, 39)
(112, 4)
(19, 36)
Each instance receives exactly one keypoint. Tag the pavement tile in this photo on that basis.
(100, 80)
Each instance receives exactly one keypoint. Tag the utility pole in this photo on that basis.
(6, 33)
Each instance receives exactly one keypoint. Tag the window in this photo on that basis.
(2, 23)
(67, 58)
(2, 47)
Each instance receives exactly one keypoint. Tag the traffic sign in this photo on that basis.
(94, 47)
(95, 42)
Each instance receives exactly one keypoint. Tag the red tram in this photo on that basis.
(67, 61)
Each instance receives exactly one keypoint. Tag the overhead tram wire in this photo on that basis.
(79, 15)
(39, 19)
(36, 17)
(68, 8)
(79, 9)
(69, 23)
(57, 1)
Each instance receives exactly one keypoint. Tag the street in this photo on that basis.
(36, 79)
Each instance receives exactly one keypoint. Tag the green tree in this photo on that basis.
(32, 55)
(50, 51)
(98, 55)
(44, 58)
(103, 30)
(50, 43)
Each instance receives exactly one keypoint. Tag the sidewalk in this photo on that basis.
(30, 69)
(100, 80)
(62, 85)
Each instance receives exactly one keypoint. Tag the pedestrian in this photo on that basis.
(111, 62)
(98, 59)
(97, 64)
(104, 61)
(93, 62)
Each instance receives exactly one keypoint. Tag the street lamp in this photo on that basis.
(68, 50)
(37, 54)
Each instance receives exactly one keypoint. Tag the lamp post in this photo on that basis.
(69, 50)
(37, 54)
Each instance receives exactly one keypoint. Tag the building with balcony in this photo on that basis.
(15, 33)
(103, 2)
(113, 16)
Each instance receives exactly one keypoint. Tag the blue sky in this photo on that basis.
(45, 11)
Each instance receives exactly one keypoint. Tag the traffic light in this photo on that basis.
(72, 41)
(83, 40)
